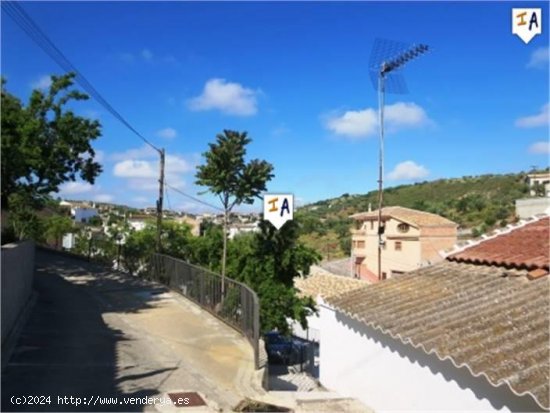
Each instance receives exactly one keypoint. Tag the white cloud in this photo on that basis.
(540, 148)
(354, 124)
(230, 98)
(103, 198)
(405, 114)
(541, 119)
(177, 165)
(363, 123)
(131, 168)
(167, 133)
(77, 187)
(141, 168)
(408, 170)
(44, 82)
(539, 58)
(146, 54)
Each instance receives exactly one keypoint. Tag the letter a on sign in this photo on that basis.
(526, 23)
(278, 209)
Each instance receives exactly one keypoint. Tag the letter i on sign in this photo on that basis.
(278, 209)
(526, 23)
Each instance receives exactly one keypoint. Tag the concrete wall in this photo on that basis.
(387, 375)
(17, 279)
(528, 207)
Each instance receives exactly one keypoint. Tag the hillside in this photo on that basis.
(478, 203)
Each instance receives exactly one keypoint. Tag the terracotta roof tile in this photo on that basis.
(410, 216)
(525, 247)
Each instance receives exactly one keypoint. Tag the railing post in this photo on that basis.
(256, 330)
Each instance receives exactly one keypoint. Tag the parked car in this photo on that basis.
(283, 350)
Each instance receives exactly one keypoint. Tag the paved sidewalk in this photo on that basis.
(98, 333)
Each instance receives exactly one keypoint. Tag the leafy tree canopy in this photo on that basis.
(45, 144)
(228, 175)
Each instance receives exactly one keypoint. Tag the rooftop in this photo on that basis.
(525, 247)
(481, 308)
(410, 216)
(326, 285)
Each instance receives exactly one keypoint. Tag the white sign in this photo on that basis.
(278, 208)
(526, 23)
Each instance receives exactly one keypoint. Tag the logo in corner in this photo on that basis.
(526, 23)
(278, 209)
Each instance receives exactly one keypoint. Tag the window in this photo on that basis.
(372, 225)
(398, 245)
(403, 227)
(360, 244)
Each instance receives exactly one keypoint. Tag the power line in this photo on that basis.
(192, 197)
(25, 22)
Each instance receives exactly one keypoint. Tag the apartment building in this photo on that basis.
(411, 239)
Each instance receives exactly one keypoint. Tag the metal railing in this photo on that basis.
(239, 307)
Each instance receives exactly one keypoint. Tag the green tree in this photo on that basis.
(44, 144)
(140, 245)
(226, 174)
(206, 250)
(56, 227)
(23, 221)
(268, 262)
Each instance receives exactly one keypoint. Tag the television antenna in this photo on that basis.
(387, 59)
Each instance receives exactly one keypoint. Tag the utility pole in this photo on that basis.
(159, 202)
(387, 58)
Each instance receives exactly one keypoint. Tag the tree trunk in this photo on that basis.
(224, 254)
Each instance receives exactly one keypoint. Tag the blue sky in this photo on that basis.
(296, 77)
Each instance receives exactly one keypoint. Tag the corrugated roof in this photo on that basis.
(493, 320)
(326, 285)
(410, 216)
(527, 247)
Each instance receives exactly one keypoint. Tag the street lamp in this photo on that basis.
(387, 58)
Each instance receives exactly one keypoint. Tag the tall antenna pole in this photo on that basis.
(388, 57)
(381, 85)
(160, 201)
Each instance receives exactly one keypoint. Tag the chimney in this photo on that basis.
(370, 207)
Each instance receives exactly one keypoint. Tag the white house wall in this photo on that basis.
(387, 375)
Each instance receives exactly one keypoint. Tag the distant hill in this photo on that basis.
(475, 202)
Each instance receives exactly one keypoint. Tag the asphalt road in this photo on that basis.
(94, 334)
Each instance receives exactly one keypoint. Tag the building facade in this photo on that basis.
(539, 184)
(411, 239)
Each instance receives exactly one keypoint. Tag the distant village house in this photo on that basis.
(412, 239)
